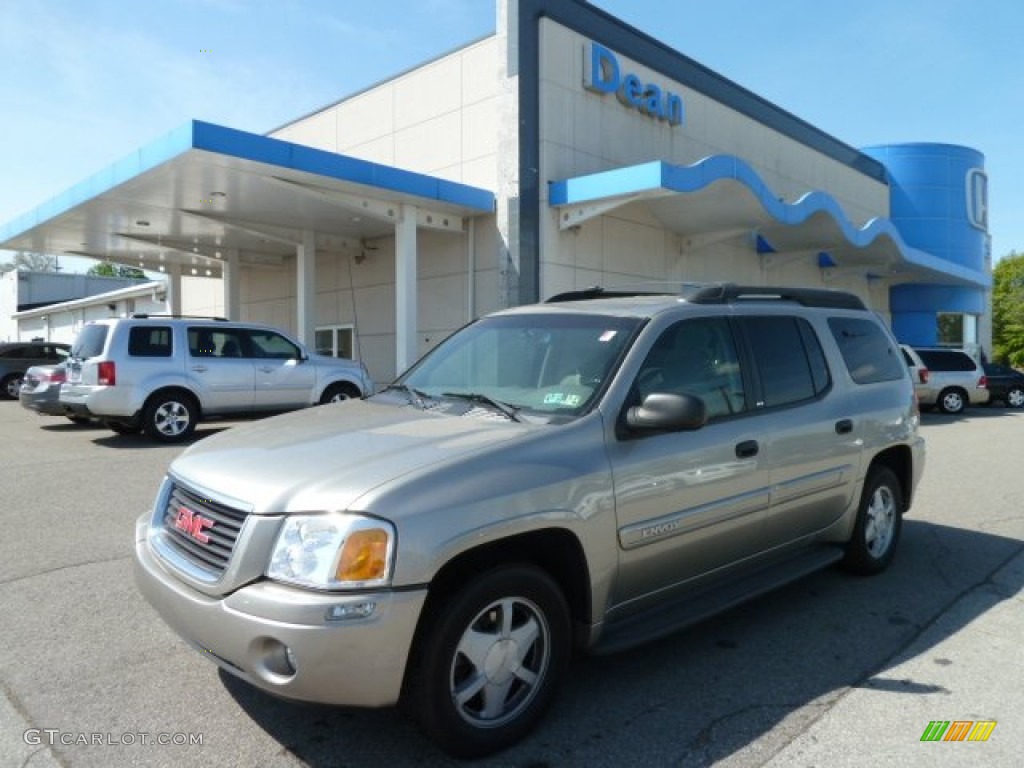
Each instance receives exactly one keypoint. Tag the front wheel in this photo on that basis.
(489, 663)
(952, 401)
(878, 525)
(11, 386)
(1015, 397)
(337, 392)
(169, 417)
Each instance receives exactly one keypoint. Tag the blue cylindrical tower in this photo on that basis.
(939, 204)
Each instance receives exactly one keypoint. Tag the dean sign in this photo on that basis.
(602, 74)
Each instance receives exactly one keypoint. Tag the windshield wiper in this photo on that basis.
(415, 396)
(478, 397)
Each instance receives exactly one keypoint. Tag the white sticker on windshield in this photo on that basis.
(607, 336)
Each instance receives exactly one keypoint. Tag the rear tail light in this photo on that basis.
(983, 382)
(105, 373)
(922, 374)
(56, 377)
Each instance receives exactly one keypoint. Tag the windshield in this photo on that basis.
(553, 364)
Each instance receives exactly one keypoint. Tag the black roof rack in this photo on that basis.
(726, 293)
(147, 316)
(597, 292)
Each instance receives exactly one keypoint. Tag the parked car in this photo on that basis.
(18, 356)
(1005, 384)
(161, 374)
(40, 391)
(954, 381)
(591, 473)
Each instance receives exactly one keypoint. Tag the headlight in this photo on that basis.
(333, 551)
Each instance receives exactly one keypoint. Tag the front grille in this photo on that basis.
(212, 555)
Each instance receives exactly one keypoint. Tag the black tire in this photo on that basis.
(879, 522)
(519, 622)
(10, 386)
(170, 417)
(952, 400)
(339, 391)
(123, 428)
(1015, 397)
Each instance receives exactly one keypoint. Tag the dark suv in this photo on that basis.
(17, 357)
(1006, 384)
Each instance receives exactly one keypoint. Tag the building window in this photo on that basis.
(334, 340)
(951, 329)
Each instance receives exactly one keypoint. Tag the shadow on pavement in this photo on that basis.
(697, 697)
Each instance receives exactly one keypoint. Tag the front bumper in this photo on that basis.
(354, 662)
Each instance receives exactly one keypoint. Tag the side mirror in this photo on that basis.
(662, 411)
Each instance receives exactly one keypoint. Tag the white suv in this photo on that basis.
(162, 374)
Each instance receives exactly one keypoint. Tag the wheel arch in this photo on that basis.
(179, 391)
(900, 460)
(556, 551)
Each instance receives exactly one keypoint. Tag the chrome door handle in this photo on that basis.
(266, 369)
(199, 368)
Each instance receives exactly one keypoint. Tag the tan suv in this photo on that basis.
(588, 474)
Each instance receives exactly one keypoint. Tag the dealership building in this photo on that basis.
(564, 151)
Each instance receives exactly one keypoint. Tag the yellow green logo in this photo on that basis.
(958, 730)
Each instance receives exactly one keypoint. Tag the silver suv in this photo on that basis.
(949, 379)
(162, 374)
(588, 474)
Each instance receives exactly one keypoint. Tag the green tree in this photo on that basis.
(1008, 310)
(106, 269)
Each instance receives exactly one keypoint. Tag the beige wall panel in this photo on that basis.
(479, 129)
(431, 144)
(365, 118)
(482, 172)
(319, 130)
(480, 71)
(428, 92)
(380, 150)
(442, 304)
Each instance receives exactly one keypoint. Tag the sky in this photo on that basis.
(83, 84)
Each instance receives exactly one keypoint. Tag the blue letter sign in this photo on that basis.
(602, 74)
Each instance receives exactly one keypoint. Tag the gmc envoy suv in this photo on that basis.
(586, 474)
(161, 374)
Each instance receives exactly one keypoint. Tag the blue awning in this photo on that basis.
(205, 188)
(723, 195)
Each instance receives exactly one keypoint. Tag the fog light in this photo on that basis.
(350, 611)
(289, 657)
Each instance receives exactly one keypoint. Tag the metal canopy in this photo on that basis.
(205, 190)
(722, 196)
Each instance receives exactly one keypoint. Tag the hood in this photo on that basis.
(326, 457)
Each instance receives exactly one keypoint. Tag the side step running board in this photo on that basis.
(663, 620)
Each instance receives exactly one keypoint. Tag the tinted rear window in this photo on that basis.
(789, 359)
(149, 341)
(90, 341)
(946, 360)
(867, 351)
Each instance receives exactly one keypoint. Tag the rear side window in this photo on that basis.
(149, 341)
(90, 342)
(869, 355)
(789, 359)
(946, 360)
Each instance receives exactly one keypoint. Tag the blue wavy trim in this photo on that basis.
(659, 175)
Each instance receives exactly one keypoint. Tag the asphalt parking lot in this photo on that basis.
(831, 671)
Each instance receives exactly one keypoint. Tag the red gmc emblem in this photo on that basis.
(193, 523)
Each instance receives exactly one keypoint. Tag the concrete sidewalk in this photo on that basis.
(957, 659)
